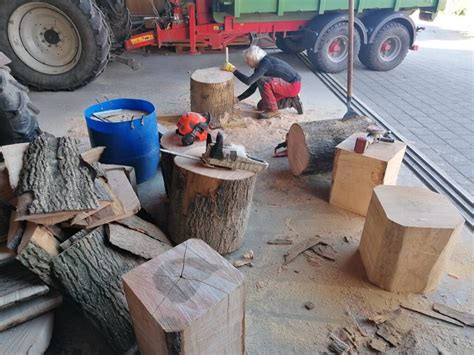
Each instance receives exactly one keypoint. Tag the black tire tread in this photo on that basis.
(369, 52)
(102, 43)
(18, 116)
(286, 46)
(317, 58)
(119, 20)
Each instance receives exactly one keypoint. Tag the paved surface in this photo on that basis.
(429, 99)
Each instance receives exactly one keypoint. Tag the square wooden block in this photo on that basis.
(189, 300)
(354, 175)
(408, 237)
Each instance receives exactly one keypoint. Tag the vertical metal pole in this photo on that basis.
(350, 59)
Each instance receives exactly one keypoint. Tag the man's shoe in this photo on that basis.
(268, 114)
(295, 102)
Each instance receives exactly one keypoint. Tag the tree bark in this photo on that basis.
(89, 272)
(210, 204)
(212, 90)
(312, 145)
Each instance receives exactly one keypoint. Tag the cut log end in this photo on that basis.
(298, 154)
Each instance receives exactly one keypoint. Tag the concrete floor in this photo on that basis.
(284, 206)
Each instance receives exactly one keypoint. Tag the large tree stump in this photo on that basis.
(189, 300)
(212, 90)
(89, 272)
(172, 141)
(408, 238)
(209, 204)
(312, 145)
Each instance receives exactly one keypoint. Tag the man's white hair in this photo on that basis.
(254, 53)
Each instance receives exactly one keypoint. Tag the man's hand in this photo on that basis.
(228, 67)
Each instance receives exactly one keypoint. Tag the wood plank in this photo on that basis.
(135, 242)
(37, 248)
(25, 311)
(89, 273)
(463, 317)
(55, 179)
(142, 226)
(188, 300)
(300, 247)
(431, 314)
(18, 284)
(13, 156)
(29, 338)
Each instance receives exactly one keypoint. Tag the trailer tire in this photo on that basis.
(71, 49)
(288, 44)
(389, 48)
(18, 116)
(331, 53)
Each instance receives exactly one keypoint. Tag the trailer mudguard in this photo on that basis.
(376, 20)
(321, 23)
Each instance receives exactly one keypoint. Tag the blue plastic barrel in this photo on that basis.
(133, 143)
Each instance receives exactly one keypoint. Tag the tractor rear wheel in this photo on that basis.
(119, 20)
(54, 44)
(330, 55)
(389, 48)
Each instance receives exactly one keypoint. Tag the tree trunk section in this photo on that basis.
(89, 272)
(312, 145)
(172, 141)
(212, 90)
(210, 204)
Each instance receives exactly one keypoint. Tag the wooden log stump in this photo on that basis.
(189, 300)
(354, 175)
(212, 90)
(172, 141)
(209, 204)
(312, 145)
(408, 237)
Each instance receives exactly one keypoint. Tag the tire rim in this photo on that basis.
(338, 49)
(390, 49)
(44, 38)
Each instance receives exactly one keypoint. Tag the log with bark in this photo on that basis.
(212, 90)
(210, 204)
(312, 145)
(89, 273)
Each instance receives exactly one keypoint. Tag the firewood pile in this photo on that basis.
(68, 228)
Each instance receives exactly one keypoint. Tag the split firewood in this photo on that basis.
(59, 233)
(324, 250)
(381, 318)
(31, 337)
(6, 191)
(74, 238)
(89, 272)
(128, 170)
(54, 180)
(135, 242)
(431, 314)
(142, 226)
(280, 242)
(337, 345)
(249, 255)
(27, 310)
(93, 155)
(390, 333)
(15, 232)
(13, 156)
(37, 248)
(6, 255)
(378, 345)
(18, 284)
(310, 258)
(463, 317)
(299, 248)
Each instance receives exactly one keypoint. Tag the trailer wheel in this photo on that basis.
(389, 48)
(331, 53)
(54, 44)
(289, 45)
